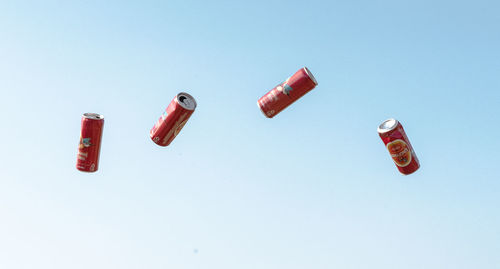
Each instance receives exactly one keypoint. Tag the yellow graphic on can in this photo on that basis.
(400, 152)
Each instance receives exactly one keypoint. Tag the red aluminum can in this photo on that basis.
(90, 142)
(394, 137)
(173, 119)
(287, 92)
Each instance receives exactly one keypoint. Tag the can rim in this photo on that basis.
(191, 106)
(387, 126)
(308, 72)
(93, 116)
(261, 110)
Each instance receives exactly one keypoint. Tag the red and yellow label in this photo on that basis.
(400, 152)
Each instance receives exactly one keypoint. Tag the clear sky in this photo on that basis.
(313, 187)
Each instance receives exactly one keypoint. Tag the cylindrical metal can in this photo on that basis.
(173, 119)
(287, 92)
(394, 137)
(90, 142)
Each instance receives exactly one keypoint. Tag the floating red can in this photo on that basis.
(287, 92)
(394, 137)
(90, 142)
(173, 119)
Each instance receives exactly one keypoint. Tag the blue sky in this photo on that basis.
(313, 187)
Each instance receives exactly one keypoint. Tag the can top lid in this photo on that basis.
(310, 75)
(93, 116)
(387, 125)
(186, 101)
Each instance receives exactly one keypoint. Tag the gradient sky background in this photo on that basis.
(312, 188)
